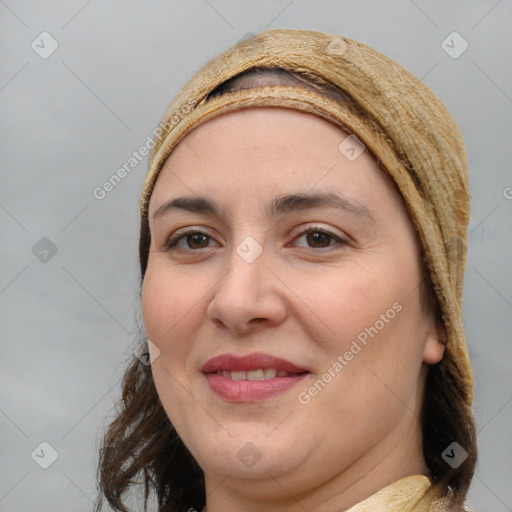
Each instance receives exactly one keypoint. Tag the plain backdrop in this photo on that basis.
(69, 269)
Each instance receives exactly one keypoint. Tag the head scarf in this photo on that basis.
(400, 120)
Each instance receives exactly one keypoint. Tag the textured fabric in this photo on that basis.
(399, 120)
(402, 496)
(420, 128)
(396, 496)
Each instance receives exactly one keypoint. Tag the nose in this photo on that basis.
(249, 297)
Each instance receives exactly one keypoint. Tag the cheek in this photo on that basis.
(169, 303)
(170, 309)
(350, 300)
(376, 325)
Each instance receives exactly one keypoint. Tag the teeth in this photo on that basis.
(253, 375)
(269, 373)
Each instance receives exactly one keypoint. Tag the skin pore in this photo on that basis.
(305, 299)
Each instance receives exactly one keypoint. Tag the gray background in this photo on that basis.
(69, 121)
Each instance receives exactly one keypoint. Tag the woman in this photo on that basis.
(302, 250)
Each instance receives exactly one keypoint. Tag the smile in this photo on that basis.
(254, 375)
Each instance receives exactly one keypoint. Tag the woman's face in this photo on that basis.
(290, 331)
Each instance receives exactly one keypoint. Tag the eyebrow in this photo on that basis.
(280, 205)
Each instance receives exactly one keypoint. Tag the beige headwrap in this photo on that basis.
(396, 117)
(399, 120)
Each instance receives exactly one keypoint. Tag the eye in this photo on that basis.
(192, 238)
(317, 238)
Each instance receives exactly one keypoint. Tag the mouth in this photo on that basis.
(251, 378)
(259, 374)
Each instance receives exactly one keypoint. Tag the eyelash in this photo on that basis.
(176, 237)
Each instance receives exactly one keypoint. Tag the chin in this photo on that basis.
(249, 454)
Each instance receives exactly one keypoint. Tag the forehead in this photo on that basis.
(271, 131)
(265, 151)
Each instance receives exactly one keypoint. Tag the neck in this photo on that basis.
(398, 456)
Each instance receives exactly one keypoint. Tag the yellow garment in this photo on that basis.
(394, 496)
(399, 497)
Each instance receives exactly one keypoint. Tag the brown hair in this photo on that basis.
(141, 441)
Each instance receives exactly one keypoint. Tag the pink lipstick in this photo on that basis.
(251, 378)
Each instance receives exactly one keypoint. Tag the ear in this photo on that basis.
(435, 342)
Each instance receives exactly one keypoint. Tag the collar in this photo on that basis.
(394, 497)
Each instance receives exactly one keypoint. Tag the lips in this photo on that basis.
(251, 378)
(251, 362)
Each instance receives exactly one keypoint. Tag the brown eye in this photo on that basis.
(197, 241)
(189, 240)
(319, 239)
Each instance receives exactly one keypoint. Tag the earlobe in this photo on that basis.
(435, 343)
